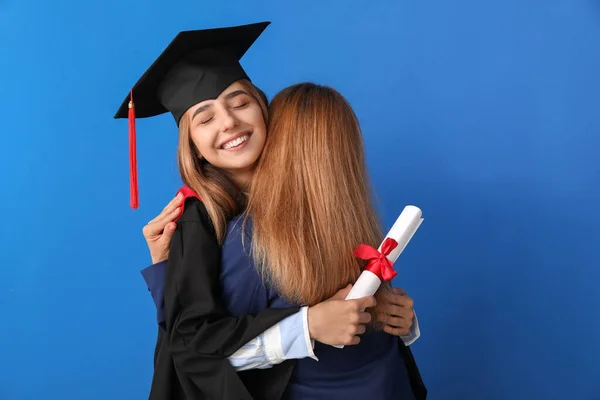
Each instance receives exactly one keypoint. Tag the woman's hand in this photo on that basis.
(395, 311)
(336, 321)
(159, 231)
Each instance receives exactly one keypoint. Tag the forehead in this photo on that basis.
(237, 85)
(234, 90)
(226, 94)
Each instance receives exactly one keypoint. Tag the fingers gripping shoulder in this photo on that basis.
(193, 209)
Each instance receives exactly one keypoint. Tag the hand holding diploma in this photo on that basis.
(380, 262)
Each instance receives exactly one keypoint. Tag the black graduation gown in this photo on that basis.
(191, 355)
(416, 382)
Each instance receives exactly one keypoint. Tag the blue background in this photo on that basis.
(483, 113)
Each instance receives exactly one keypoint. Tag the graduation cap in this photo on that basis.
(196, 66)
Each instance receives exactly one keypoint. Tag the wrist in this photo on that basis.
(312, 323)
(156, 260)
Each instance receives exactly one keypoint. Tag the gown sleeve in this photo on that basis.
(288, 339)
(199, 329)
(154, 276)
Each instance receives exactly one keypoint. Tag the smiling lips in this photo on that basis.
(238, 141)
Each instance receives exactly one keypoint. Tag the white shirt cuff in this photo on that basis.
(310, 343)
(414, 333)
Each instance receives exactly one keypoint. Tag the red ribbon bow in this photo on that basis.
(378, 262)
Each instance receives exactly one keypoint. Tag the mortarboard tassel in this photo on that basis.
(133, 179)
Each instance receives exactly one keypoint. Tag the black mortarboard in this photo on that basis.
(195, 66)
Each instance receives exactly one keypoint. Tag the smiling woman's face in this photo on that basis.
(229, 131)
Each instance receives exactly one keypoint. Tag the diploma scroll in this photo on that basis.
(392, 246)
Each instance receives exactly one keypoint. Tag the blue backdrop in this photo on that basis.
(484, 114)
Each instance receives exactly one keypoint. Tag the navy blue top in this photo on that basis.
(373, 369)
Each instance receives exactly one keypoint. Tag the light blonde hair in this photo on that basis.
(222, 198)
(310, 199)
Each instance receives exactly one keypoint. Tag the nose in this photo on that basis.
(229, 121)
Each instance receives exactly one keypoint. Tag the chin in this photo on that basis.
(246, 158)
(249, 162)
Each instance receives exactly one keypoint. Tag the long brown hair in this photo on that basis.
(310, 199)
(222, 198)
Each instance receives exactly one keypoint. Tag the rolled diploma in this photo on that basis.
(402, 231)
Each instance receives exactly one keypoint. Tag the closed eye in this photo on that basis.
(240, 106)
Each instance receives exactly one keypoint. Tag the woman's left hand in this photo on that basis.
(395, 311)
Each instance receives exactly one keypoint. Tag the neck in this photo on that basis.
(242, 179)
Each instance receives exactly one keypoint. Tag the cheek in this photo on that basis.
(257, 121)
(203, 140)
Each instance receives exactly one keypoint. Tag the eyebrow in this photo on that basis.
(235, 94)
(228, 97)
(199, 110)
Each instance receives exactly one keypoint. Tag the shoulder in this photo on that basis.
(194, 209)
(194, 224)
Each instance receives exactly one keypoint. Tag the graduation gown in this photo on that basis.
(191, 353)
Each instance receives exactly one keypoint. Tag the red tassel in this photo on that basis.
(133, 178)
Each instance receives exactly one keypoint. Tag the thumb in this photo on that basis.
(342, 293)
(168, 232)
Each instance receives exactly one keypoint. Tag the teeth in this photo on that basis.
(235, 142)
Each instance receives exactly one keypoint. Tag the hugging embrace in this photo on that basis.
(253, 258)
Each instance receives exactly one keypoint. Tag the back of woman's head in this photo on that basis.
(310, 200)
